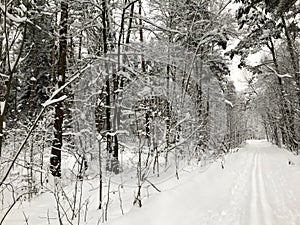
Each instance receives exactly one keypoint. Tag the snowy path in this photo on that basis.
(260, 210)
(257, 187)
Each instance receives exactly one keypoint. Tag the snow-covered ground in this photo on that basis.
(258, 186)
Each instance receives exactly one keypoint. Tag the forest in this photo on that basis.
(104, 92)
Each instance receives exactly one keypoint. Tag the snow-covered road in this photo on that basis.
(257, 187)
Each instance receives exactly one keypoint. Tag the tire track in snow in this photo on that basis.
(260, 210)
(253, 211)
(265, 206)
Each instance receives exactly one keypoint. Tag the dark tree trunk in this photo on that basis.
(1, 134)
(295, 64)
(129, 24)
(107, 84)
(141, 32)
(33, 76)
(286, 124)
(55, 160)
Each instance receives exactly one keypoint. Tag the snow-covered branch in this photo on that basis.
(52, 99)
(14, 18)
(228, 103)
(277, 74)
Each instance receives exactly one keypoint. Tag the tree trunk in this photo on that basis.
(295, 63)
(141, 35)
(1, 133)
(292, 52)
(33, 74)
(7, 67)
(55, 160)
(287, 128)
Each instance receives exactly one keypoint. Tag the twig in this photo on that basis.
(26, 218)
(153, 185)
(107, 202)
(10, 208)
(184, 141)
(120, 198)
(48, 217)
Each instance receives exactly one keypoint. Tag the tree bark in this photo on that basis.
(55, 160)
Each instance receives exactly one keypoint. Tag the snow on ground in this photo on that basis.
(257, 187)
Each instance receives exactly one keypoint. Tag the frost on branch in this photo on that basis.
(2, 104)
(53, 101)
(14, 18)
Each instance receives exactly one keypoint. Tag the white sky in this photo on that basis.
(237, 75)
